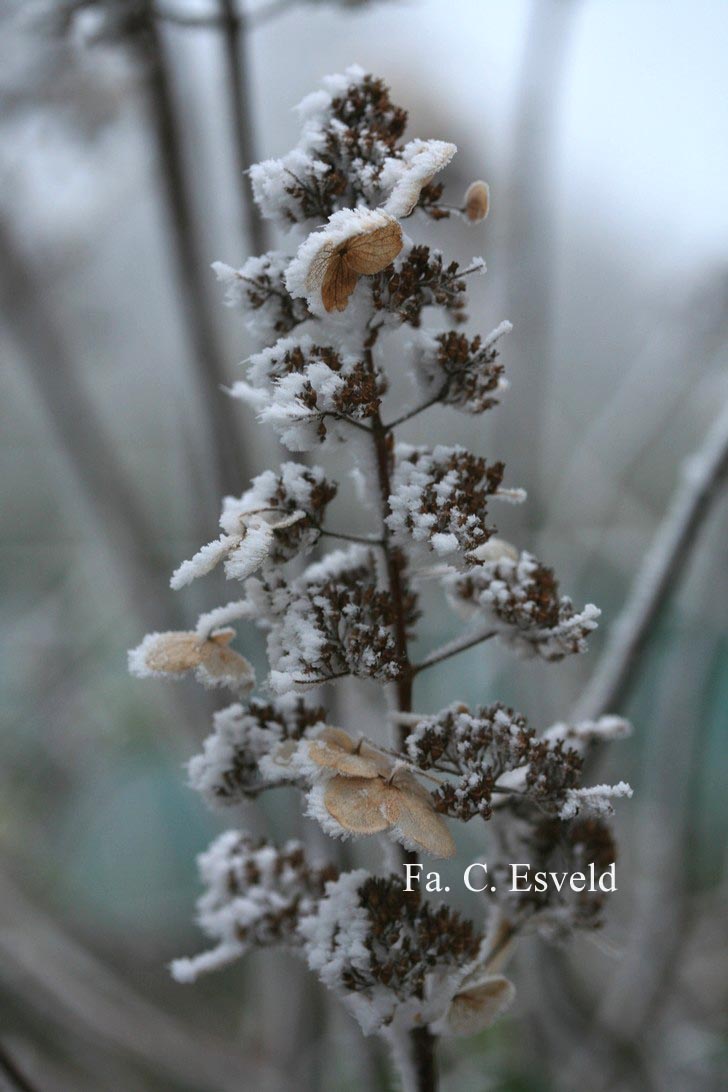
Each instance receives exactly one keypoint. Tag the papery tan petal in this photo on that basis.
(333, 757)
(477, 201)
(338, 737)
(174, 652)
(374, 250)
(338, 283)
(356, 804)
(475, 1009)
(416, 819)
(220, 662)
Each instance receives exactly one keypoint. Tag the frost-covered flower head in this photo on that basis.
(277, 518)
(350, 198)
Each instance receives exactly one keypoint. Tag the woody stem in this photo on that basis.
(421, 1041)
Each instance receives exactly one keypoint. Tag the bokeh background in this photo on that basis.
(600, 125)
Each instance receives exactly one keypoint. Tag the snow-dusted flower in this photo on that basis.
(258, 289)
(331, 621)
(394, 960)
(521, 598)
(255, 896)
(459, 371)
(277, 518)
(175, 654)
(439, 497)
(326, 318)
(308, 391)
(243, 739)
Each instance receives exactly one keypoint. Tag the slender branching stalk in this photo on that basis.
(235, 30)
(703, 477)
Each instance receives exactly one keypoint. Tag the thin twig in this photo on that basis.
(460, 644)
(14, 1074)
(208, 358)
(235, 35)
(663, 565)
(364, 540)
(419, 409)
(254, 19)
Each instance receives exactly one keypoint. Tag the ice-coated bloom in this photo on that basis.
(394, 960)
(439, 497)
(350, 154)
(521, 598)
(309, 392)
(175, 654)
(274, 520)
(247, 747)
(459, 371)
(255, 895)
(331, 621)
(325, 318)
(258, 289)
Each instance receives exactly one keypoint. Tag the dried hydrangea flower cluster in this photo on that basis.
(319, 315)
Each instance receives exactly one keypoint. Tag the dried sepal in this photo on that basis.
(354, 243)
(342, 757)
(477, 201)
(175, 654)
(474, 1009)
(370, 792)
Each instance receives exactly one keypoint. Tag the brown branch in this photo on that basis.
(235, 36)
(454, 648)
(208, 357)
(661, 570)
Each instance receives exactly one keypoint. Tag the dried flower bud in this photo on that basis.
(477, 201)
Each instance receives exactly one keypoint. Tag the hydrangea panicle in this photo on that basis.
(320, 375)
